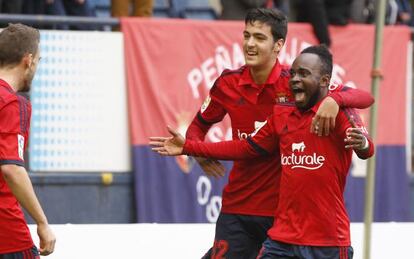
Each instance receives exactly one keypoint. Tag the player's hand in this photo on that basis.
(324, 119)
(355, 138)
(168, 146)
(47, 239)
(211, 167)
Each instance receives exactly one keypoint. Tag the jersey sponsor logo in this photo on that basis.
(298, 147)
(205, 104)
(257, 126)
(298, 160)
(20, 145)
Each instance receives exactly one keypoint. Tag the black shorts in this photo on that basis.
(239, 236)
(31, 253)
(278, 250)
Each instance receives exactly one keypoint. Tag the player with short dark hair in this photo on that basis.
(19, 58)
(248, 95)
(311, 221)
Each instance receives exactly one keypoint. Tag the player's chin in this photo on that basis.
(251, 61)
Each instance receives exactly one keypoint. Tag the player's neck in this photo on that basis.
(260, 74)
(12, 76)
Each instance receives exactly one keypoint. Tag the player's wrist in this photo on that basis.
(366, 145)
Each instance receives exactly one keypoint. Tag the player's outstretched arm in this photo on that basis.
(225, 150)
(168, 146)
(19, 183)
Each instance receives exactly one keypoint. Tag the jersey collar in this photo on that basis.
(247, 80)
(313, 109)
(6, 85)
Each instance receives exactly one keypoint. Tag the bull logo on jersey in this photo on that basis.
(298, 160)
(298, 147)
(185, 163)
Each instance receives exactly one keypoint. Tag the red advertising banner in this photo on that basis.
(172, 64)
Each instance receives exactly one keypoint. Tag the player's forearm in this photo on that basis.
(19, 183)
(353, 98)
(226, 150)
(197, 130)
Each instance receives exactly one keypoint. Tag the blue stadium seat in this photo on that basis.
(199, 9)
(102, 7)
(161, 8)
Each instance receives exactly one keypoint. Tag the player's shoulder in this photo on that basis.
(7, 96)
(336, 87)
(228, 78)
(285, 71)
(233, 72)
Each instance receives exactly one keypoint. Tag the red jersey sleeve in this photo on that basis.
(350, 97)
(344, 123)
(211, 112)
(12, 137)
(262, 142)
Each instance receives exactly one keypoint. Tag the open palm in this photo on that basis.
(168, 146)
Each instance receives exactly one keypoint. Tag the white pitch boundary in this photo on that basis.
(190, 241)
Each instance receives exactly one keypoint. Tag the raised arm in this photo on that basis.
(341, 96)
(352, 98)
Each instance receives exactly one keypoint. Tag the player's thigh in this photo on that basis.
(31, 253)
(206, 255)
(312, 252)
(232, 240)
(257, 227)
(276, 250)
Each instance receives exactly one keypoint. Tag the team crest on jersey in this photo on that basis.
(205, 104)
(299, 160)
(281, 98)
(20, 144)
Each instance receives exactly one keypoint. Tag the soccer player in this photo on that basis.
(19, 57)
(311, 221)
(248, 95)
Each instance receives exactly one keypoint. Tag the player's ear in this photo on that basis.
(27, 60)
(277, 47)
(325, 80)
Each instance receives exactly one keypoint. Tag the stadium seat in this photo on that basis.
(199, 9)
(102, 7)
(161, 8)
